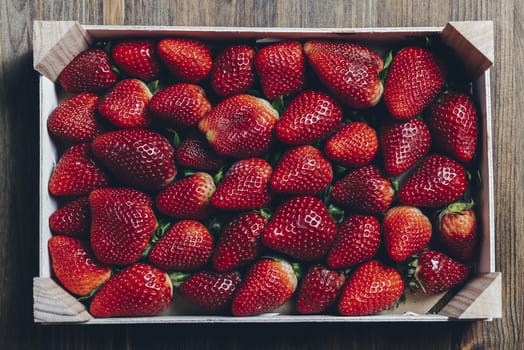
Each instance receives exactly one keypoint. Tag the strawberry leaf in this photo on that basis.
(178, 278)
(278, 104)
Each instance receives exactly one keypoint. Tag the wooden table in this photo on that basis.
(19, 173)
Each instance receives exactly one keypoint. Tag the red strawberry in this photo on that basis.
(414, 79)
(453, 123)
(74, 119)
(137, 59)
(188, 198)
(195, 153)
(122, 223)
(72, 219)
(232, 71)
(211, 290)
(357, 240)
(125, 106)
(239, 242)
(138, 290)
(319, 289)
(301, 228)
(457, 230)
(349, 71)
(90, 71)
(245, 186)
(185, 247)
(76, 173)
(437, 272)
(268, 284)
(403, 144)
(180, 104)
(302, 170)
(406, 231)
(309, 117)
(188, 60)
(372, 288)
(364, 190)
(75, 266)
(354, 145)
(140, 158)
(437, 181)
(240, 126)
(351, 51)
(281, 68)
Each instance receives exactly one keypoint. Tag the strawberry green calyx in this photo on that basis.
(161, 230)
(178, 278)
(153, 86)
(384, 72)
(87, 298)
(219, 176)
(336, 213)
(214, 227)
(264, 212)
(298, 270)
(459, 207)
(278, 104)
(411, 275)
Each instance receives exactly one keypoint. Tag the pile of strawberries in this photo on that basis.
(257, 174)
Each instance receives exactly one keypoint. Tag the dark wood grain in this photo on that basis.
(19, 174)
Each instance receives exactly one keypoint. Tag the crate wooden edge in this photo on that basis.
(467, 305)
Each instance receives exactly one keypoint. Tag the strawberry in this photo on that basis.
(436, 272)
(138, 290)
(319, 289)
(74, 265)
(180, 104)
(72, 219)
(406, 231)
(354, 145)
(403, 144)
(457, 230)
(125, 106)
(137, 157)
(350, 51)
(195, 153)
(437, 181)
(76, 173)
(187, 59)
(188, 198)
(414, 79)
(232, 71)
(268, 284)
(309, 117)
(137, 59)
(211, 291)
(74, 120)
(90, 71)
(453, 123)
(281, 68)
(301, 228)
(122, 223)
(364, 190)
(357, 240)
(372, 288)
(302, 170)
(239, 242)
(240, 126)
(348, 70)
(185, 247)
(245, 186)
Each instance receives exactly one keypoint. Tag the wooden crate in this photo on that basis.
(57, 43)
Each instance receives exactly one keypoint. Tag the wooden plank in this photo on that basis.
(55, 44)
(479, 298)
(473, 43)
(54, 305)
